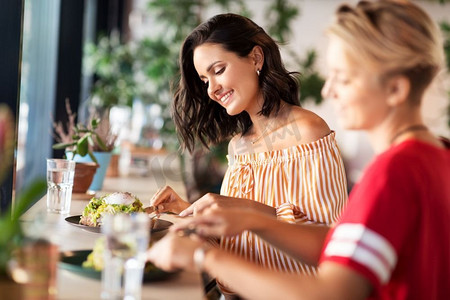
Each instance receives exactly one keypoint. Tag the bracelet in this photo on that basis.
(200, 255)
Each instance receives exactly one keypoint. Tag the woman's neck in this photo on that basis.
(396, 130)
(262, 124)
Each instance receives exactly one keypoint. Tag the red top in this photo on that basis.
(396, 229)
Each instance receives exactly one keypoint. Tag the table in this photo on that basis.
(185, 285)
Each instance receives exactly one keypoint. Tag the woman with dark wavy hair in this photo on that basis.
(195, 115)
(283, 159)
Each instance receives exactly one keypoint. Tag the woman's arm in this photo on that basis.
(211, 201)
(303, 242)
(333, 282)
(254, 282)
(167, 200)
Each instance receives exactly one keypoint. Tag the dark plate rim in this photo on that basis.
(75, 221)
(65, 263)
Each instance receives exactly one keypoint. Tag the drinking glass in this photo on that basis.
(60, 174)
(127, 239)
(34, 266)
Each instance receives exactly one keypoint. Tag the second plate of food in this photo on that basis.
(73, 261)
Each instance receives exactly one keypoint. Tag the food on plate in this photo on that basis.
(95, 259)
(114, 203)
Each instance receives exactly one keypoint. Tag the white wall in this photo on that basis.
(309, 26)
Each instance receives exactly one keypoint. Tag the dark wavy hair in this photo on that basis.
(196, 116)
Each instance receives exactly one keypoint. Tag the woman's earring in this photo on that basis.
(258, 71)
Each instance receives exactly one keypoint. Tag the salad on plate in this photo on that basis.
(114, 203)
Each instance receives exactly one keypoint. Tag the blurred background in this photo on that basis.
(117, 60)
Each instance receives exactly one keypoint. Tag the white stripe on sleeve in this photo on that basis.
(364, 246)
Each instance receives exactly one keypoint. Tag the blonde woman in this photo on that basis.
(393, 239)
(283, 159)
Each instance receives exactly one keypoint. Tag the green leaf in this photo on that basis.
(7, 229)
(90, 141)
(94, 123)
(94, 159)
(28, 196)
(83, 130)
(83, 146)
(63, 145)
(101, 143)
(11, 232)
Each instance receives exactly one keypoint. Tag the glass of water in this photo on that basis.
(60, 174)
(127, 239)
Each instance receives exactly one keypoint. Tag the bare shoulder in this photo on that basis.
(233, 144)
(310, 125)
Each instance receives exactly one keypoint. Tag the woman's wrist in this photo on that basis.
(257, 222)
(263, 208)
(182, 206)
(200, 254)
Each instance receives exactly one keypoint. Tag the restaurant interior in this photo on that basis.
(68, 62)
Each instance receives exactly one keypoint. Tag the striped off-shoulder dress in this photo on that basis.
(306, 183)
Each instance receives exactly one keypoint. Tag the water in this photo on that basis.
(59, 190)
(123, 272)
(127, 238)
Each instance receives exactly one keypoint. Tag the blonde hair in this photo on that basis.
(392, 37)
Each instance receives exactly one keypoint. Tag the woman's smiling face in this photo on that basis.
(231, 80)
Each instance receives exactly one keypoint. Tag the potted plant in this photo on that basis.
(12, 236)
(89, 146)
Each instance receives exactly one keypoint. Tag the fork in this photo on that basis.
(152, 212)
